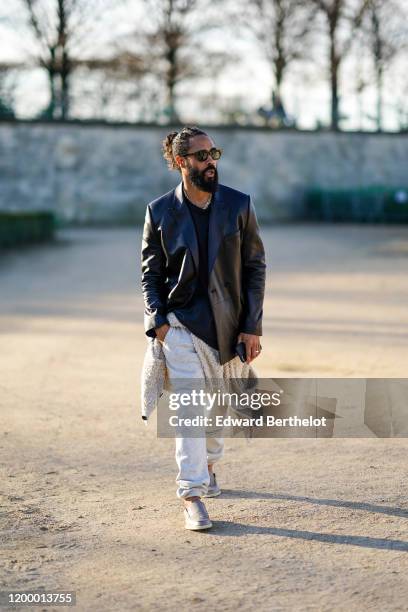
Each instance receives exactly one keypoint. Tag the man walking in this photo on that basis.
(203, 276)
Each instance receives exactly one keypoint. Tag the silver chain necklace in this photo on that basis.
(206, 205)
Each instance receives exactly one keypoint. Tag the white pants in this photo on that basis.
(192, 454)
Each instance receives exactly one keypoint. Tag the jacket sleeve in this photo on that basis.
(153, 275)
(253, 274)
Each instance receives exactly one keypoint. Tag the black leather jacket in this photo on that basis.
(236, 264)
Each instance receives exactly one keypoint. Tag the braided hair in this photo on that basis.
(178, 143)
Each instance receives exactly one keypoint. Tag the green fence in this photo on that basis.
(369, 205)
(25, 227)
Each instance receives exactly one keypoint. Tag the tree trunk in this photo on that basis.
(52, 105)
(280, 61)
(379, 83)
(65, 76)
(171, 84)
(378, 59)
(334, 83)
(64, 63)
(280, 66)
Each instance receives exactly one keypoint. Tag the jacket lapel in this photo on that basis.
(216, 228)
(184, 222)
(217, 222)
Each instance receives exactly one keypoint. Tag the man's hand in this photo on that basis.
(161, 332)
(252, 345)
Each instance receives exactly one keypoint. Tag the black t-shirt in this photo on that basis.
(201, 218)
(202, 323)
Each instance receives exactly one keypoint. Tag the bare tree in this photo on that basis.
(387, 35)
(60, 28)
(283, 28)
(343, 18)
(173, 46)
(167, 43)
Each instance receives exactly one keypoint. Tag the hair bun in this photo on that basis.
(170, 137)
(167, 148)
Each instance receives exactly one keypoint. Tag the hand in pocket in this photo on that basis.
(162, 331)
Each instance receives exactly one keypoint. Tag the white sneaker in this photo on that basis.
(196, 516)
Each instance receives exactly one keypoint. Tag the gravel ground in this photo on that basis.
(88, 493)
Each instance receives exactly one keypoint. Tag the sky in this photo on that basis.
(249, 83)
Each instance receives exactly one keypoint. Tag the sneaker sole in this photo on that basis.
(198, 527)
(212, 494)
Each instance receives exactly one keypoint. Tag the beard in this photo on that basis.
(205, 183)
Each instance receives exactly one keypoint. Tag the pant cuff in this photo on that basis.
(199, 491)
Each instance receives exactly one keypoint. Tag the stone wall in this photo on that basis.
(108, 173)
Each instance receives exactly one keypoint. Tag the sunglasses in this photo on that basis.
(202, 155)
